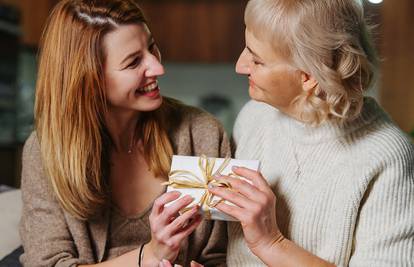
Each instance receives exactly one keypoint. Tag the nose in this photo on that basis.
(154, 66)
(242, 65)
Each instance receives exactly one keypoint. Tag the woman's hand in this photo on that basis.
(255, 208)
(168, 228)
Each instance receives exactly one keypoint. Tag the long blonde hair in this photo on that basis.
(328, 39)
(71, 102)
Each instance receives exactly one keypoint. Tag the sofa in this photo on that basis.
(10, 210)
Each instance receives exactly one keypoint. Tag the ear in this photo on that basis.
(308, 82)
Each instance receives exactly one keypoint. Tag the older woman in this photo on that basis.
(337, 184)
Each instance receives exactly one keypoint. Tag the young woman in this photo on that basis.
(104, 137)
(338, 175)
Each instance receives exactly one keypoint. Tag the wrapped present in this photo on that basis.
(194, 175)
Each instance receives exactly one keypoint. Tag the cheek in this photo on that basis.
(110, 82)
(261, 78)
(286, 80)
(123, 82)
(293, 81)
(284, 87)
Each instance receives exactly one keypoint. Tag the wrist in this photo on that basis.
(268, 247)
(288, 253)
(149, 259)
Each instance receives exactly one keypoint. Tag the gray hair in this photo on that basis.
(328, 39)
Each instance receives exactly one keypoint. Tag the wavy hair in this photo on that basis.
(328, 39)
(70, 104)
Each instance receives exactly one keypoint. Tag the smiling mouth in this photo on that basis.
(148, 88)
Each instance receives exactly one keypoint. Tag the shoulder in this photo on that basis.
(34, 181)
(382, 140)
(382, 150)
(31, 149)
(35, 185)
(195, 131)
(391, 144)
(200, 119)
(193, 119)
(32, 165)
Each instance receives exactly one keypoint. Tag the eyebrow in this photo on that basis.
(253, 53)
(133, 54)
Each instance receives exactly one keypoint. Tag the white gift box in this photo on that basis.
(193, 175)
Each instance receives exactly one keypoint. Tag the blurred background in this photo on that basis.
(200, 41)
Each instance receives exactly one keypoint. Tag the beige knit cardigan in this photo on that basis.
(52, 237)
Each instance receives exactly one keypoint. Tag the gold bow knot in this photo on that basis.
(182, 179)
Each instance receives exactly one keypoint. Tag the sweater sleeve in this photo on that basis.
(43, 229)
(384, 234)
(208, 136)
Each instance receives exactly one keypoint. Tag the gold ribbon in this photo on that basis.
(181, 179)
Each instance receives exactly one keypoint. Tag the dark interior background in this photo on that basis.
(200, 41)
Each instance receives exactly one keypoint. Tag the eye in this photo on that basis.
(134, 63)
(152, 47)
(256, 62)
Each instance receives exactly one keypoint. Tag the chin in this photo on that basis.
(256, 96)
(253, 93)
(150, 105)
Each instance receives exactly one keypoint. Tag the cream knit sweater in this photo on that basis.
(344, 193)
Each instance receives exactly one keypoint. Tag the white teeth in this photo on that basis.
(149, 87)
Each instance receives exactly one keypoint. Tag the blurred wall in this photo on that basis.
(207, 31)
(211, 31)
(200, 41)
(397, 92)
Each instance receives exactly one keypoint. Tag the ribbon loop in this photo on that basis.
(187, 179)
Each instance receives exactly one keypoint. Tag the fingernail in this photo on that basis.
(164, 263)
(234, 168)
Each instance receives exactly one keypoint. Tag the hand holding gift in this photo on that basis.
(195, 175)
(253, 203)
(167, 229)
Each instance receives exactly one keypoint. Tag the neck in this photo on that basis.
(293, 111)
(122, 127)
(330, 130)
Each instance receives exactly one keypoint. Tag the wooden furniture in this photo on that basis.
(397, 88)
(207, 31)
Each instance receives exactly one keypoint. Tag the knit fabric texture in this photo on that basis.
(52, 237)
(344, 192)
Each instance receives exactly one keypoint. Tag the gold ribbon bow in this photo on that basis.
(186, 179)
